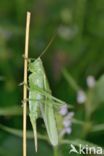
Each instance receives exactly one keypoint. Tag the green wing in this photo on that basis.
(48, 114)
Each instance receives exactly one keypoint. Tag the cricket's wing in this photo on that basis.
(50, 122)
(48, 114)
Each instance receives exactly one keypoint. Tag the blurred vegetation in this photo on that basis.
(78, 47)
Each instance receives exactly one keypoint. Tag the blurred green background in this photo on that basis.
(78, 47)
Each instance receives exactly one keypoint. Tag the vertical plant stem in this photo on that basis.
(55, 151)
(25, 82)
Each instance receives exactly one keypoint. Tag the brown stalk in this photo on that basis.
(25, 83)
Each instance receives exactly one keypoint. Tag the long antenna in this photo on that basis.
(49, 43)
(25, 83)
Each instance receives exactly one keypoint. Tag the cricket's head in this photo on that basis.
(35, 66)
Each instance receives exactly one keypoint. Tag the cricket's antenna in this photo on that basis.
(50, 42)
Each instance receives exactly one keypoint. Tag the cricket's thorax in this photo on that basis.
(36, 65)
(37, 76)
